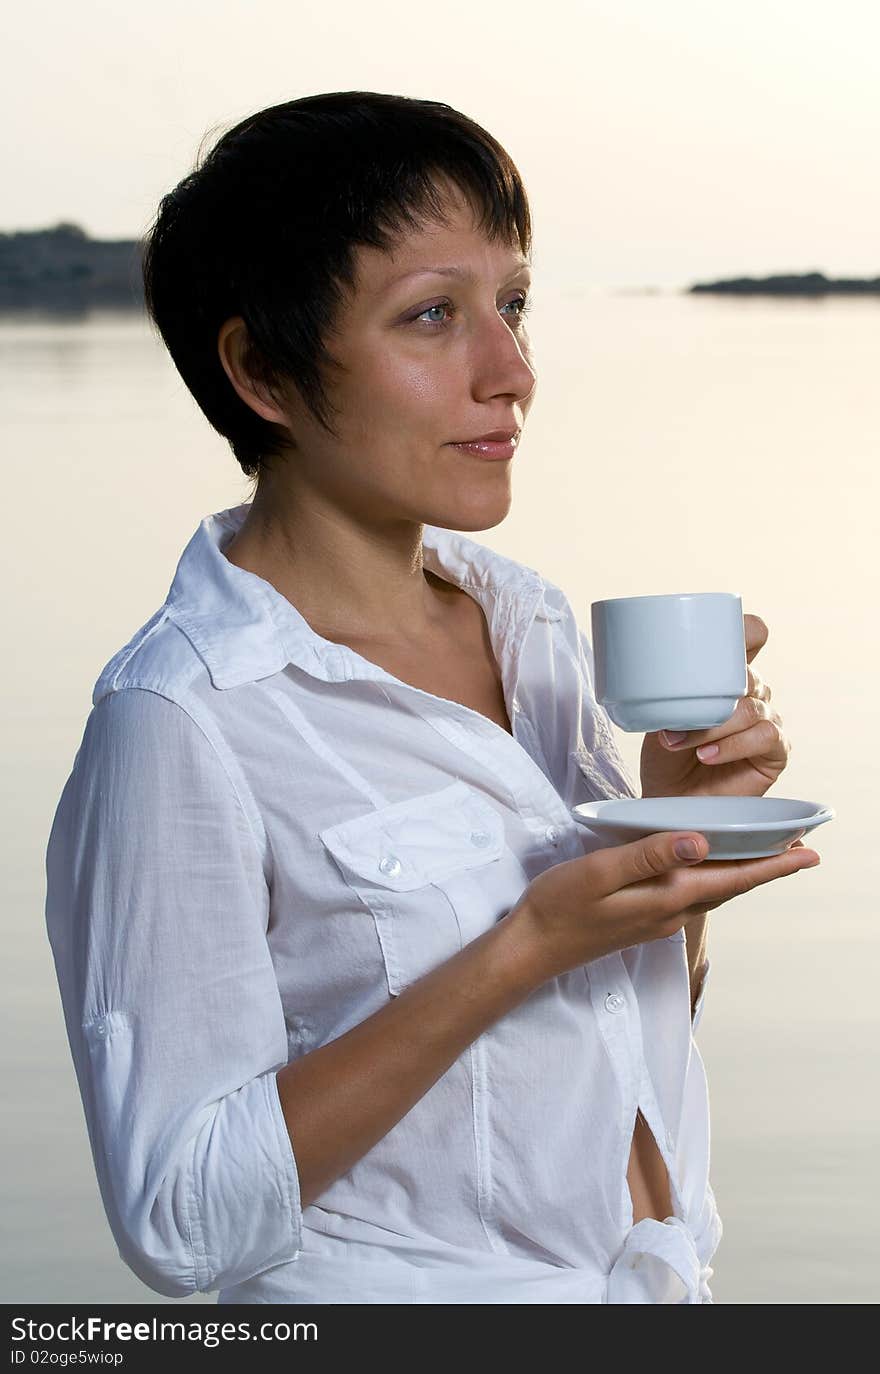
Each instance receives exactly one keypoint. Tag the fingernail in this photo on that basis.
(707, 751)
(674, 736)
(686, 849)
(811, 863)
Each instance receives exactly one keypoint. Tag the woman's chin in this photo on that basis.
(473, 511)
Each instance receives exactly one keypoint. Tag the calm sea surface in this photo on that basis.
(675, 444)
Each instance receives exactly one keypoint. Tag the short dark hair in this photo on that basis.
(266, 225)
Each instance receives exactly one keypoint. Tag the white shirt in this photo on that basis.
(263, 838)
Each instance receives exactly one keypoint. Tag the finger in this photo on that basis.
(651, 857)
(756, 635)
(708, 883)
(749, 711)
(757, 687)
(765, 741)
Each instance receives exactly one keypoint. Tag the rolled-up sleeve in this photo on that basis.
(157, 911)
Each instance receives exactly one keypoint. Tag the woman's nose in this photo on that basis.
(503, 364)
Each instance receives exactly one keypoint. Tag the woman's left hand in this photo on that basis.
(752, 746)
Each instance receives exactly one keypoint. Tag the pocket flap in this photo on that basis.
(418, 840)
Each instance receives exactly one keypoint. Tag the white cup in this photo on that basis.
(674, 662)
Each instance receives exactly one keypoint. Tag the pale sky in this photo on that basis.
(661, 141)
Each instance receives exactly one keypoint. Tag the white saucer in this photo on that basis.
(736, 827)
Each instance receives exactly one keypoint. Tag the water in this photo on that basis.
(675, 444)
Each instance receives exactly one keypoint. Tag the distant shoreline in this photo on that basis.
(62, 270)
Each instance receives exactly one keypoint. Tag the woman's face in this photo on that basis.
(430, 360)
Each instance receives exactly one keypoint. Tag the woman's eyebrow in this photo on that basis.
(463, 273)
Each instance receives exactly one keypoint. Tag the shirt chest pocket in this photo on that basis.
(434, 871)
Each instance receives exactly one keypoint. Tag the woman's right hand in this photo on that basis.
(626, 894)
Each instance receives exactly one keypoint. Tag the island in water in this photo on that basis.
(63, 270)
(803, 284)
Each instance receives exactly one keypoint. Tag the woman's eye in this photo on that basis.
(523, 302)
(444, 305)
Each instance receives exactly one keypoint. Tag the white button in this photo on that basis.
(390, 866)
(670, 1140)
(101, 1028)
(551, 834)
(515, 704)
(480, 838)
(614, 1002)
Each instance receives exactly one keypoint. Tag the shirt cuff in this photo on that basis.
(247, 1213)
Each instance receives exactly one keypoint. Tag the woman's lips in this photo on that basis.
(484, 448)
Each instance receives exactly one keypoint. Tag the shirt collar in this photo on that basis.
(244, 629)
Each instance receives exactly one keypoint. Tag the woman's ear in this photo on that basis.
(233, 347)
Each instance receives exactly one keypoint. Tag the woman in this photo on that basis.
(358, 1012)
